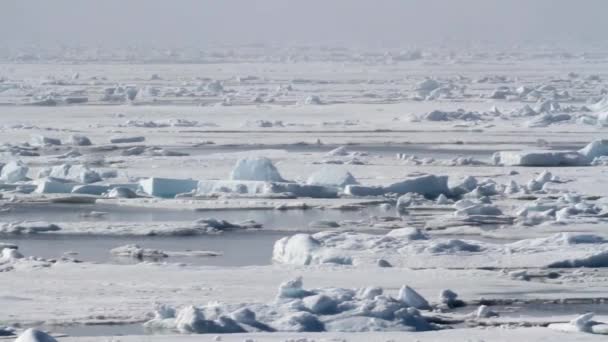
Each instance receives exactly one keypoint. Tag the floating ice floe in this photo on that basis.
(217, 224)
(582, 157)
(136, 252)
(359, 249)
(300, 310)
(28, 227)
(427, 185)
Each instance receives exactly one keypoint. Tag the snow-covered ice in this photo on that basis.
(424, 193)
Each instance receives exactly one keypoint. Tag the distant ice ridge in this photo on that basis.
(297, 309)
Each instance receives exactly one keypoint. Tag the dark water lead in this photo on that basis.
(243, 248)
(270, 219)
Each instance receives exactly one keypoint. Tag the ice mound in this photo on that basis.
(35, 335)
(583, 323)
(167, 187)
(301, 310)
(331, 177)
(255, 169)
(14, 171)
(217, 224)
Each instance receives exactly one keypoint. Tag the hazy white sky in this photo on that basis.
(174, 23)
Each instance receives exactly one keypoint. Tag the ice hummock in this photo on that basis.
(301, 310)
